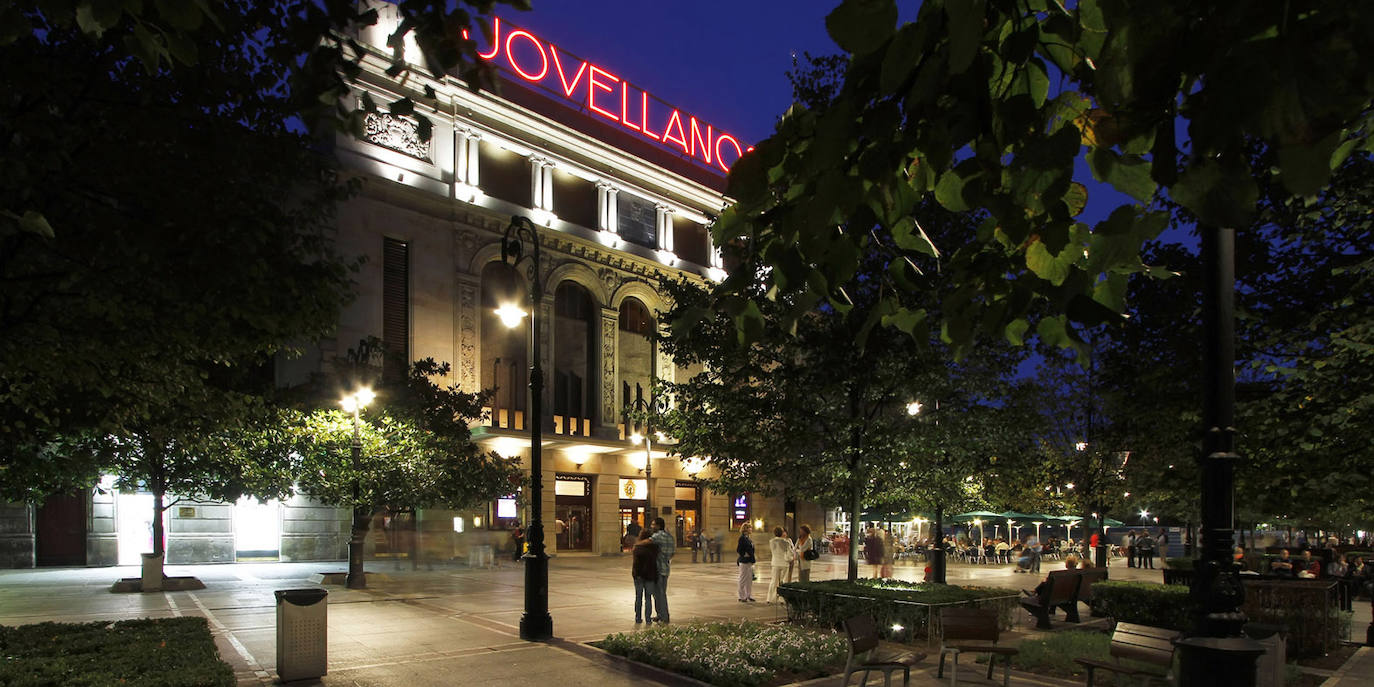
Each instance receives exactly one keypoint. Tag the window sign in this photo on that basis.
(569, 487)
(739, 510)
(505, 508)
(634, 489)
(638, 220)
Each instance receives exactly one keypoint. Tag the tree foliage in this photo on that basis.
(991, 104)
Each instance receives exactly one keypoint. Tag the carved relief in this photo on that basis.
(608, 332)
(467, 338)
(610, 279)
(397, 133)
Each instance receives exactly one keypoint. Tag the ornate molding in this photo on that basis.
(397, 133)
(609, 328)
(468, 350)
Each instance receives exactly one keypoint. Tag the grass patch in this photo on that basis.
(163, 652)
(733, 654)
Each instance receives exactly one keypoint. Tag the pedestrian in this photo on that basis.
(1033, 550)
(1338, 570)
(1130, 549)
(574, 532)
(873, 551)
(666, 548)
(517, 538)
(810, 551)
(1145, 549)
(745, 549)
(782, 552)
(717, 544)
(644, 569)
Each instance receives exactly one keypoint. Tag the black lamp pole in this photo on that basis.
(536, 624)
(1216, 653)
(641, 406)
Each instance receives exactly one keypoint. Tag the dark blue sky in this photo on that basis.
(725, 62)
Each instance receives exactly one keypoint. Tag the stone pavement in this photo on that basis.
(444, 626)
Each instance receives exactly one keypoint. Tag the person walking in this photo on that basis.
(783, 553)
(666, 548)
(873, 551)
(1130, 549)
(745, 550)
(717, 543)
(644, 568)
(809, 549)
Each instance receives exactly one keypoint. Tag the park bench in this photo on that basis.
(1086, 578)
(972, 631)
(863, 654)
(1138, 643)
(1060, 591)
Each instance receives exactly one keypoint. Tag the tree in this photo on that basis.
(958, 105)
(416, 446)
(163, 222)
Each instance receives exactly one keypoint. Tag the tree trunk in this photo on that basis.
(855, 498)
(937, 547)
(362, 520)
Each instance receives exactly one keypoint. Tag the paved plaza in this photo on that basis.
(443, 626)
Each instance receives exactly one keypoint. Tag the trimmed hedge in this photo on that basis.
(889, 603)
(162, 652)
(733, 654)
(1144, 603)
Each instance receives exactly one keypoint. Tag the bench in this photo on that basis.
(970, 630)
(863, 649)
(1059, 591)
(1140, 643)
(1086, 578)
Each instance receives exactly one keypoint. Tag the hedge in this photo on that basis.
(901, 610)
(163, 652)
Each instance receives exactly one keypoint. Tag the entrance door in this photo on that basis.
(629, 514)
(60, 538)
(135, 511)
(257, 530)
(686, 525)
(577, 527)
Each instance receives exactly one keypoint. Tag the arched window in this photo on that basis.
(574, 359)
(636, 363)
(505, 351)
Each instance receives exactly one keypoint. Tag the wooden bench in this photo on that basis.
(1086, 578)
(1059, 591)
(972, 631)
(1140, 643)
(863, 650)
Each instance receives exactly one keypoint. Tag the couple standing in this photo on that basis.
(652, 554)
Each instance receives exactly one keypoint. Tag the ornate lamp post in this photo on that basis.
(354, 404)
(536, 624)
(647, 409)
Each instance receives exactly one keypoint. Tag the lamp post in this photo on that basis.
(354, 404)
(536, 623)
(639, 405)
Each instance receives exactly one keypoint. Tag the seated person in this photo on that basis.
(1070, 563)
(1284, 565)
(1238, 557)
(1308, 567)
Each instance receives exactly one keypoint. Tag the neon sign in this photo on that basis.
(607, 95)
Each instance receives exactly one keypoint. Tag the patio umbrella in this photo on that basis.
(975, 515)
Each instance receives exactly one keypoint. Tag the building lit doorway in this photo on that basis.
(135, 526)
(687, 505)
(257, 530)
(573, 513)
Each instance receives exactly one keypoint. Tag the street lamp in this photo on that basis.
(648, 409)
(536, 624)
(354, 403)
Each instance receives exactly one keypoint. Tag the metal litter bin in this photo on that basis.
(1272, 665)
(302, 634)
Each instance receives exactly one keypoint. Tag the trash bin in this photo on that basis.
(1272, 665)
(302, 635)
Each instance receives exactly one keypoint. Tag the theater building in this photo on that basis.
(622, 187)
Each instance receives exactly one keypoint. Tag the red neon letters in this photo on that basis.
(696, 139)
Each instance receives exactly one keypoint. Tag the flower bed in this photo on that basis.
(735, 654)
(164, 651)
(902, 610)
